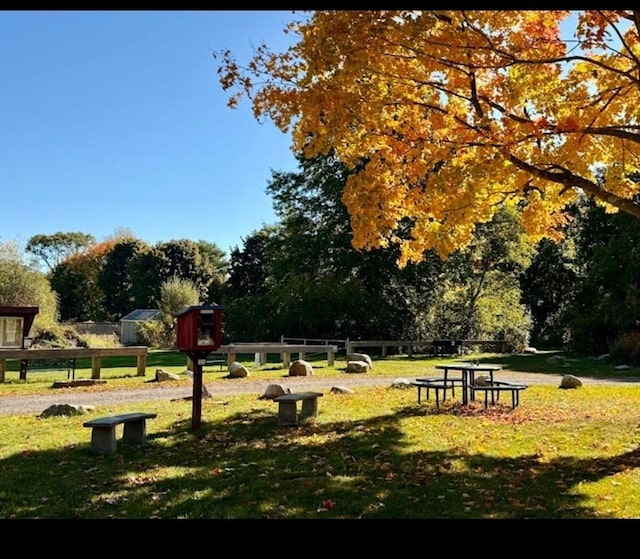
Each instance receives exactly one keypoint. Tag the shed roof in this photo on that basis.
(141, 314)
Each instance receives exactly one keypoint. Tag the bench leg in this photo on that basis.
(103, 439)
(135, 433)
(287, 413)
(309, 408)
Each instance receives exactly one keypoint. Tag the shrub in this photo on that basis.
(626, 349)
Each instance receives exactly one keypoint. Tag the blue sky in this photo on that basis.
(116, 119)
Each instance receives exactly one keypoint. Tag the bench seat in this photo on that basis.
(287, 407)
(496, 387)
(437, 385)
(103, 430)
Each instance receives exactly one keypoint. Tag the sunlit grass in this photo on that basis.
(372, 454)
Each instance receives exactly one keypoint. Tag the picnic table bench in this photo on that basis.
(437, 385)
(287, 407)
(496, 387)
(103, 432)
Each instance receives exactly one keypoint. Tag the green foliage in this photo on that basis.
(53, 249)
(606, 302)
(21, 285)
(175, 294)
(57, 335)
(626, 349)
(200, 262)
(115, 278)
(155, 333)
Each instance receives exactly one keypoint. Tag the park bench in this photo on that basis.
(287, 407)
(437, 385)
(48, 364)
(495, 388)
(103, 432)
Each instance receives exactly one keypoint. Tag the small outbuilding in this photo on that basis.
(129, 324)
(15, 323)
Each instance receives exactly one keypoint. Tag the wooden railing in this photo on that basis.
(96, 355)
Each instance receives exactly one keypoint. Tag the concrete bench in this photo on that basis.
(437, 385)
(495, 388)
(287, 407)
(103, 433)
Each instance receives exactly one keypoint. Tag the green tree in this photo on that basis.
(53, 249)
(22, 285)
(115, 278)
(199, 262)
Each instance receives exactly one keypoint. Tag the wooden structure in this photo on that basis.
(261, 349)
(199, 332)
(15, 323)
(96, 355)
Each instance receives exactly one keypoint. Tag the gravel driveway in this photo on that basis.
(15, 405)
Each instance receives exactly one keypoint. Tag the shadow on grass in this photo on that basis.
(248, 467)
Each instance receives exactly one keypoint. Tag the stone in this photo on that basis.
(300, 368)
(273, 391)
(341, 390)
(401, 383)
(481, 380)
(162, 375)
(66, 410)
(359, 357)
(357, 367)
(570, 381)
(237, 370)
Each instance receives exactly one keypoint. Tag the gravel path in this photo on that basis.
(15, 405)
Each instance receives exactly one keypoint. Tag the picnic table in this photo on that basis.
(467, 375)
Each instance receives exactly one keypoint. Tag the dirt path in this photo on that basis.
(15, 405)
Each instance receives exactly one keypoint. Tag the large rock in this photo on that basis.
(357, 367)
(162, 375)
(237, 370)
(360, 357)
(570, 381)
(341, 390)
(273, 391)
(300, 368)
(65, 409)
(401, 383)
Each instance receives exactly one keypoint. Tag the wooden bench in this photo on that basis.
(495, 388)
(45, 365)
(437, 385)
(287, 407)
(103, 433)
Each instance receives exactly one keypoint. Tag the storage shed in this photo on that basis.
(130, 322)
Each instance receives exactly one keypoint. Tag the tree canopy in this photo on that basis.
(447, 115)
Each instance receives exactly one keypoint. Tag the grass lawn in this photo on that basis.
(375, 454)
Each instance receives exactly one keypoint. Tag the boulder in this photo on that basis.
(401, 383)
(65, 409)
(357, 367)
(341, 390)
(570, 381)
(273, 391)
(359, 357)
(300, 368)
(162, 375)
(237, 370)
(481, 380)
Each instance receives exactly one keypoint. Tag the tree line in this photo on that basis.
(301, 277)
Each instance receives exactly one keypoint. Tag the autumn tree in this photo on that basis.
(447, 115)
(76, 280)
